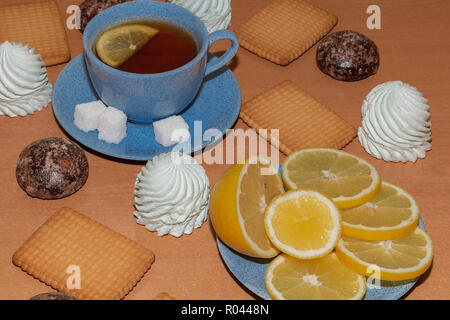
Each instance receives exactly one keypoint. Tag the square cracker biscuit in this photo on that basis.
(110, 264)
(39, 25)
(302, 121)
(285, 29)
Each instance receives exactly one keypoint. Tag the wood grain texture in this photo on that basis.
(414, 47)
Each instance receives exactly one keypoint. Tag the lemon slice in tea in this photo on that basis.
(118, 44)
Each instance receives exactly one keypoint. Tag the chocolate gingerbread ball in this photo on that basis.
(348, 56)
(53, 296)
(52, 168)
(90, 8)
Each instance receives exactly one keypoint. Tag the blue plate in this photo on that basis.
(251, 271)
(216, 106)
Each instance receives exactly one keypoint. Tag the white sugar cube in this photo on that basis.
(86, 115)
(171, 130)
(112, 125)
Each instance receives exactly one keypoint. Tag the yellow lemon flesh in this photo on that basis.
(392, 213)
(118, 44)
(288, 278)
(303, 224)
(237, 206)
(393, 260)
(348, 180)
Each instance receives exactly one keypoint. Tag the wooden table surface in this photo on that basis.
(413, 44)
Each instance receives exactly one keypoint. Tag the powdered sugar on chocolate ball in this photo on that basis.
(53, 296)
(347, 56)
(90, 8)
(52, 168)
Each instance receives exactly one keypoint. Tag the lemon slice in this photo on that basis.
(117, 44)
(392, 213)
(237, 206)
(347, 179)
(398, 259)
(327, 278)
(303, 224)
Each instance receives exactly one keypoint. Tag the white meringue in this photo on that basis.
(215, 14)
(395, 123)
(172, 194)
(24, 86)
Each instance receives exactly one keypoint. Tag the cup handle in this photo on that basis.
(216, 64)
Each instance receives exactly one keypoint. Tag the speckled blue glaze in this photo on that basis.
(149, 97)
(217, 106)
(251, 271)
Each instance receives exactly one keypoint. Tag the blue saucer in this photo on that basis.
(251, 271)
(217, 106)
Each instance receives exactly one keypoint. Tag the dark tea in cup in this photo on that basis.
(146, 47)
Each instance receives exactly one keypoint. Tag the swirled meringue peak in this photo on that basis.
(215, 14)
(395, 123)
(172, 195)
(24, 86)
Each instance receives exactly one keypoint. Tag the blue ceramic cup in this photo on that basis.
(149, 97)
